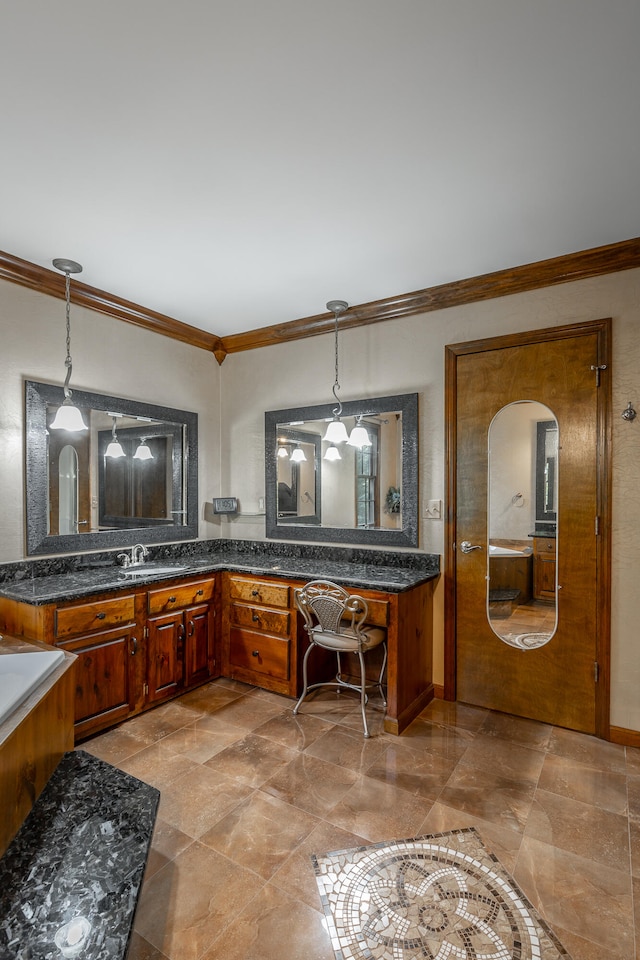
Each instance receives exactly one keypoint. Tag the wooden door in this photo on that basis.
(565, 681)
(165, 644)
(198, 653)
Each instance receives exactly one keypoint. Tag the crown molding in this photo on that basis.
(545, 273)
(612, 258)
(52, 282)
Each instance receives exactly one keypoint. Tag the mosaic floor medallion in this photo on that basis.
(439, 897)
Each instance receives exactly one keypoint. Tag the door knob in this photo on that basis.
(467, 547)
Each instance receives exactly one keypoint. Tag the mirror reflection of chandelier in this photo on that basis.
(114, 450)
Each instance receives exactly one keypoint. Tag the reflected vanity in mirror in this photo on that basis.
(358, 494)
(522, 512)
(79, 497)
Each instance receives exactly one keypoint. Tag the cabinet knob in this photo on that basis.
(255, 593)
(172, 599)
(100, 616)
(255, 617)
(255, 653)
(199, 593)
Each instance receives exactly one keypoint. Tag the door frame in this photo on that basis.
(602, 328)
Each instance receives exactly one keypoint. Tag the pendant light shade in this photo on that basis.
(332, 453)
(114, 450)
(282, 452)
(68, 416)
(336, 432)
(359, 436)
(143, 452)
(298, 455)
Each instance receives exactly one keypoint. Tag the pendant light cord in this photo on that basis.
(337, 410)
(67, 293)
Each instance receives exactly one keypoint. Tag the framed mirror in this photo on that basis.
(79, 498)
(359, 494)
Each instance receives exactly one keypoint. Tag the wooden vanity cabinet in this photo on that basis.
(134, 648)
(259, 627)
(180, 650)
(544, 568)
(102, 633)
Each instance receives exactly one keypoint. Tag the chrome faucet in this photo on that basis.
(138, 553)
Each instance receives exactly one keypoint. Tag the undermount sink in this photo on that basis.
(142, 569)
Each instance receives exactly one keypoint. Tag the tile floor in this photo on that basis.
(249, 792)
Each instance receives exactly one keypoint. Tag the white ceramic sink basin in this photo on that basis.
(145, 569)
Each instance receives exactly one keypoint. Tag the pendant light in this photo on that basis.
(143, 452)
(359, 436)
(332, 453)
(114, 450)
(68, 417)
(336, 431)
(298, 455)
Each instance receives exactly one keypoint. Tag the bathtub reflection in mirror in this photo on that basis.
(521, 517)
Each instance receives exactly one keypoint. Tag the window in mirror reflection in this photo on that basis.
(523, 485)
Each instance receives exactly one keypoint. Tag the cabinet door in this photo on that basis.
(198, 623)
(105, 678)
(165, 656)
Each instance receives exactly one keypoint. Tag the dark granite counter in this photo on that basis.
(70, 880)
(388, 571)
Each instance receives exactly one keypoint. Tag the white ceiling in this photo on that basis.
(236, 164)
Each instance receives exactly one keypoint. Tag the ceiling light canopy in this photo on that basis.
(68, 416)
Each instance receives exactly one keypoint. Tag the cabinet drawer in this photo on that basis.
(181, 595)
(96, 615)
(544, 546)
(259, 654)
(260, 618)
(378, 612)
(259, 591)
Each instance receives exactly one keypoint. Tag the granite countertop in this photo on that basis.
(75, 868)
(102, 578)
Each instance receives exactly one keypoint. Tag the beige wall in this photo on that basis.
(110, 357)
(406, 355)
(399, 356)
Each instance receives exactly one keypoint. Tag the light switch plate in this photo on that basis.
(433, 509)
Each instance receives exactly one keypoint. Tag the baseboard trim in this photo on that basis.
(628, 738)
(438, 691)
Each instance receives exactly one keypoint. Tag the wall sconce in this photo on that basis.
(114, 449)
(336, 431)
(143, 452)
(68, 417)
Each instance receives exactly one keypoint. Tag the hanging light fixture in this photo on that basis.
(359, 436)
(114, 449)
(143, 452)
(336, 431)
(282, 450)
(332, 453)
(68, 416)
(298, 455)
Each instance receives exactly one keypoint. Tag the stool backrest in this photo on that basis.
(327, 605)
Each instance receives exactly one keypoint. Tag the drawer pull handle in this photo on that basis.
(255, 593)
(199, 593)
(255, 653)
(100, 616)
(255, 617)
(172, 599)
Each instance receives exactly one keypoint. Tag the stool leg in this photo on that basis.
(363, 693)
(304, 678)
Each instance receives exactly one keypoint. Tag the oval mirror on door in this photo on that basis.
(521, 516)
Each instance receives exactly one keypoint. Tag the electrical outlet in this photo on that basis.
(433, 509)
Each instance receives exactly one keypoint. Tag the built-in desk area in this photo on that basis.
(214, 608)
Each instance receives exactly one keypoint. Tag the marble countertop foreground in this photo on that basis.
(70, 880)
(105, 578)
